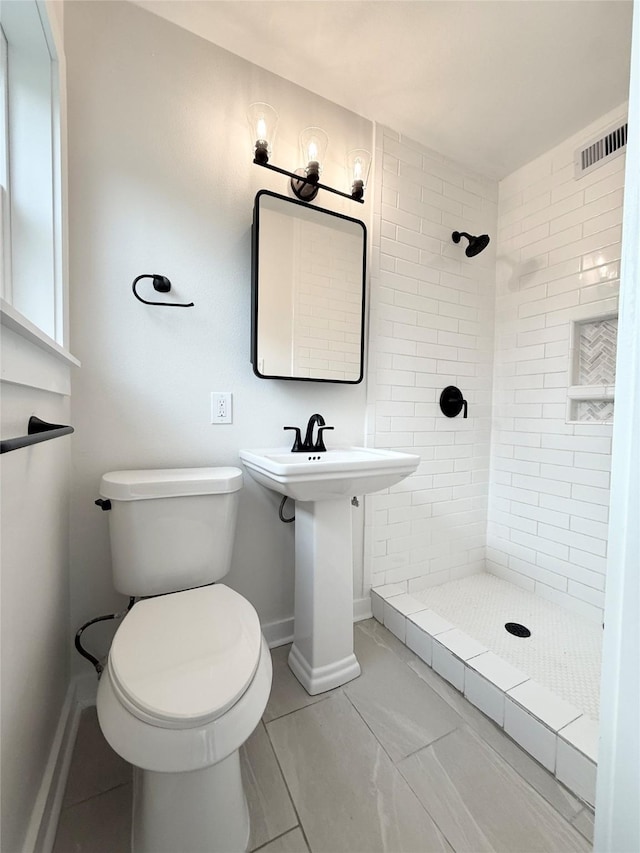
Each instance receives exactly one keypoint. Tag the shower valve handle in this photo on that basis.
(452, 402)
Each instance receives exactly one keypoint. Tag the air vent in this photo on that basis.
(599, 151)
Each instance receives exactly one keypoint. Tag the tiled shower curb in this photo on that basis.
(552, 731)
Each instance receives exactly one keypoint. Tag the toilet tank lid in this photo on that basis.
(169, 483)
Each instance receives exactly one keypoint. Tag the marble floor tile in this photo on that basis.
(287, 694)
(536, 775)
(348, 794)
(291, 842)
(584, 823)
(95, 767)
(101, 824)
(401, 710)
(383, 638)
(270, 806)
(481, 804)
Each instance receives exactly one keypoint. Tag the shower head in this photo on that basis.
(476, 244)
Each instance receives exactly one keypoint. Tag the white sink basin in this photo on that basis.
(337, 473)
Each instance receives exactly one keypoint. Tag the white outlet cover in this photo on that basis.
(221, 407)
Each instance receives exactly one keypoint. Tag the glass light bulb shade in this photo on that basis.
(358, 165)
(313, 142)
(263, 120)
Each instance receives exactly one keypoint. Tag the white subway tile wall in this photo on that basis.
(431, 326)
(558, 262)
(553, 261)
(328, 304)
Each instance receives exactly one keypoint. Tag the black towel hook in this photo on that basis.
(162, 284)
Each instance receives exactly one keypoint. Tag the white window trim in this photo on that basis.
(14, 320)
(10, 317)
(5, 200)
(59, 156)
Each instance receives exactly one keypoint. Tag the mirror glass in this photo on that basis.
(308, 292)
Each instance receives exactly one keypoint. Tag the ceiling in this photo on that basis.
(490, 83)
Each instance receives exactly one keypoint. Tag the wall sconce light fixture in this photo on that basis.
(263, 120)
(313, 142)
(305, 182)
(358, 165)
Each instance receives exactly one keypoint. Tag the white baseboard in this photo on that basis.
(43, 824)
(280, 633)
(362, 609)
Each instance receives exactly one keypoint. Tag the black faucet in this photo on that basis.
(307, 446)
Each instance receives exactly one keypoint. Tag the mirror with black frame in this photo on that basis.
(308, 292)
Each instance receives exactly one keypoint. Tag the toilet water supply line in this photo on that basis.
(99, 668)
(85, 654)
(96, 663)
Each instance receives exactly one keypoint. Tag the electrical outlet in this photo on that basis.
(221, 407)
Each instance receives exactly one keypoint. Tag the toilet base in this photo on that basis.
(200, 811)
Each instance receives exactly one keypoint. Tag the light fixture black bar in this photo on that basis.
(37, 431)
(307, 181)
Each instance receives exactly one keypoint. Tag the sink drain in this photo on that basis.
(517, 629)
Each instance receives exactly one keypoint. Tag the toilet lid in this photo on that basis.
(183, 659)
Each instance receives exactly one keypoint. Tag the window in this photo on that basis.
(5, 254)
(30, 167)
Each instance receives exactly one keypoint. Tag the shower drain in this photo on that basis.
(517, 629)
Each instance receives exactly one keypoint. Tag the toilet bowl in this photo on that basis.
(189, 673)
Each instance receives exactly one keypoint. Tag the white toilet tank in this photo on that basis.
(171, 529)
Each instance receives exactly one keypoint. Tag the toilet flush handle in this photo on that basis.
(103, 504)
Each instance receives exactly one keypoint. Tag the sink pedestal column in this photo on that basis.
(322, 655)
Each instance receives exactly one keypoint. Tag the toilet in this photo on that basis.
(189, 672)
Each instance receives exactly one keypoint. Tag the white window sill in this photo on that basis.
(14, 320)
(31, 358)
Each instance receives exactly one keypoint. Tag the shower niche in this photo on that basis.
(592, 370)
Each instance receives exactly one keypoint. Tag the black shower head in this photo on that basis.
(476, 244)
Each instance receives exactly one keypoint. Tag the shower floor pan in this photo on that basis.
(543, 689)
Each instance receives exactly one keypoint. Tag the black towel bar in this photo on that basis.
(37, 430)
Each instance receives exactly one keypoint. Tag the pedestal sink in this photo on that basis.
(322, 484)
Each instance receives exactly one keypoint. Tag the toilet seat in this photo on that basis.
(182, 660)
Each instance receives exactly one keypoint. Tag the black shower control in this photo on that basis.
(452, 402)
